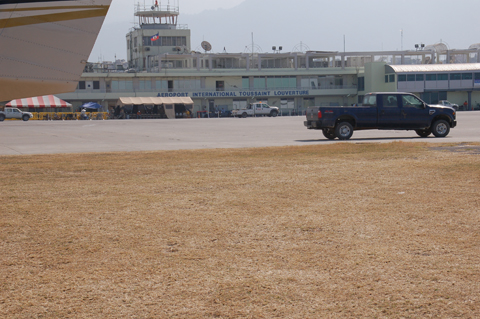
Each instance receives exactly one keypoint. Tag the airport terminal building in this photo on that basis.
(161, 63)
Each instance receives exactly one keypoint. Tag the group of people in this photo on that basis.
(134, 111)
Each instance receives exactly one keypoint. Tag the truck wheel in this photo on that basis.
(2, 117)
(273, 113)
(440, 128)
(329, 133)
(244, 115)
(25, 117)
(423, 133)
(344, 130)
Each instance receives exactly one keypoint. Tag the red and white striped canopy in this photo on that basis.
(39, 101)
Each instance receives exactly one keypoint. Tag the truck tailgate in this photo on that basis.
(312, 113)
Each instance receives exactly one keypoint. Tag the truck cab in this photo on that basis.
(401, 111)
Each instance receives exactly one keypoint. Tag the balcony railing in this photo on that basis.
(224, 91)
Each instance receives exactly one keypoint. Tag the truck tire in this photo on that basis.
(244, 115)
(25, 117)
(440, 128)
(2, 117)
(273, 113)
(343, 130)
(329, 133)
(423, 133)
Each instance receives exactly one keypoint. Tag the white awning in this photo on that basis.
(167, 102)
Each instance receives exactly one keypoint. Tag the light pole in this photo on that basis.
(420, 47)
(274, 49)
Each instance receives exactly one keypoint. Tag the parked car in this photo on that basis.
(447, 103)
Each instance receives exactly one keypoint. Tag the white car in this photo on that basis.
(447, 103)
(14, 113)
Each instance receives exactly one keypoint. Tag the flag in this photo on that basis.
(155, 37)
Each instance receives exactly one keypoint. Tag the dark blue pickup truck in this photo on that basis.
(382, 111)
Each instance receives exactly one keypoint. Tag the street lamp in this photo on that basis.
(420, 46)
(274, 49)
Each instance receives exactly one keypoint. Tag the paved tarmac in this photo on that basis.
(53, 137)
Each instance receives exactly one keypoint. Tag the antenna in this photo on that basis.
(301, 47)
(206, 46)
(401, 34)
(252, 48)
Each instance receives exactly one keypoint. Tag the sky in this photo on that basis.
(235, 26)
(111, 41)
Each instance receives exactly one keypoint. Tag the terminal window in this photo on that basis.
(164, 41)
(281, 82)
(455, 76)
(361, 83)
(122, 85)
(442, 77)
(259, 82)
(308, 102)
(245, 82)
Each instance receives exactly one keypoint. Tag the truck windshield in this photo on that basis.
(370, 100)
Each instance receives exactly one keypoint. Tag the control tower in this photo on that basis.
(157, 33)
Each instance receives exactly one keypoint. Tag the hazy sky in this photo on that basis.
(195, 6)
(120, 18)
(321, 25)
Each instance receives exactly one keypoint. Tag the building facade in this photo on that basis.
(161, 64)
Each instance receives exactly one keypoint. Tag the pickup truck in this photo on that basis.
(14, 113)
(382, 111)
(255, 109)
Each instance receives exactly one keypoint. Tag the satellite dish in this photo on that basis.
(206, 46)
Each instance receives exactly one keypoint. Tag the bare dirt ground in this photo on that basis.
(337, 231)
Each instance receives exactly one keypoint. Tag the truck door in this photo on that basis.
(259, 108)
(13, 113)
(414, 112)
(389, 111)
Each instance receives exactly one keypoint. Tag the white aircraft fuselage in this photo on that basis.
(44, 45)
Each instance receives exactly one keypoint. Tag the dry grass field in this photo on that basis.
(337, 231)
